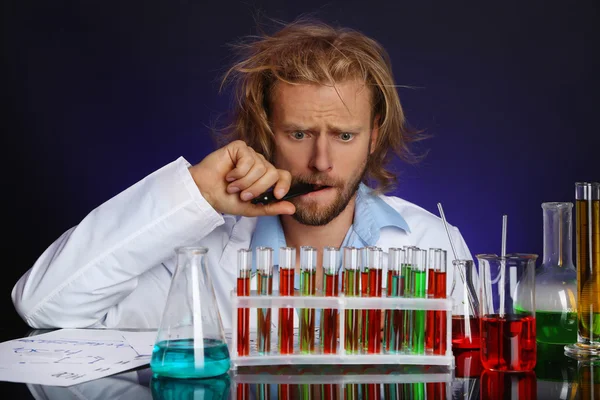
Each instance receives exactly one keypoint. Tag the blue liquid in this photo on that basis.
(175, 358)
(164, 388)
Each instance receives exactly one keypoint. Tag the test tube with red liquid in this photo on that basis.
(330, 317)
(430, 295)
(373, 328)
(352, 289)
(243, 289)
(364, 292)
(440, 325)
(264, 286)
(392, 334)
(308, 274)
(287, 265)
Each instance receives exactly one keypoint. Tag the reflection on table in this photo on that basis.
(555, 377)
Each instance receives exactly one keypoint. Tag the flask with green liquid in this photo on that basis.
(556, 278)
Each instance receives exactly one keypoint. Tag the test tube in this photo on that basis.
(409, 264)
(264, 269)
(351, 289)
(243, 289)
(392, 331)
(287, 265)
(364, 292)
(375, 266)
(419, 281)
(430, 295)
(308, 274)
(330, 317)
(440, 326)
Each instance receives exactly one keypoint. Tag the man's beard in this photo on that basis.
(309, 213)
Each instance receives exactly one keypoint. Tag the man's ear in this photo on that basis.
(374, 134)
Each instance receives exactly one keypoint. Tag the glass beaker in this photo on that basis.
(556, 279)
(508, 311)
(465, 311)
(587, 209)
(190, 342)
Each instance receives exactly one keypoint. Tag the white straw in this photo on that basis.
(447, 230)
(504, 225)
(197, 317)
(503, 265)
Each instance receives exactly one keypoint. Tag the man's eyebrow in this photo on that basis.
(292, 127)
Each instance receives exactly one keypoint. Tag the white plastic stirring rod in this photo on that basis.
(447, 230)
(503, 265)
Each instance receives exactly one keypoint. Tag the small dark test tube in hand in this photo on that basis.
(296, 190)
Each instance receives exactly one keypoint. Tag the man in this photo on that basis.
(314, 104)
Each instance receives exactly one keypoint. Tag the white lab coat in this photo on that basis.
(113, 269)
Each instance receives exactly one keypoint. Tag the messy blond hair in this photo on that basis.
(313, 52)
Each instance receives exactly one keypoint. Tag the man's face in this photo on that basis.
(323, 136)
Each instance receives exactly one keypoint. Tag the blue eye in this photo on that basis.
(346, 137)
(298, 135)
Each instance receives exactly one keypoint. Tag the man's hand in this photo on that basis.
(230, 177)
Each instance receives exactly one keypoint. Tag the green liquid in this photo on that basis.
(418, 340)
(556, 327)
(175, 359)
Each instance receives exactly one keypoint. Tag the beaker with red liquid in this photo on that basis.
(465, 312)
(508, 330)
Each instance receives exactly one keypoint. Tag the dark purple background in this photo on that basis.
(99, 94)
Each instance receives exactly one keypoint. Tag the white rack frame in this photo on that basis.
(340, 303)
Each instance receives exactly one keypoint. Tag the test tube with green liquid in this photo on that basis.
(308, 268)
(352, 289)
(264, 268)
(407, 267)
(419, 282)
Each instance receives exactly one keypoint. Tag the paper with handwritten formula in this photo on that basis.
(68, 356)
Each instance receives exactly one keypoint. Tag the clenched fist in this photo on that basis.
(233, 175)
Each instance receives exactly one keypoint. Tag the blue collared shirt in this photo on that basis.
(371, 214)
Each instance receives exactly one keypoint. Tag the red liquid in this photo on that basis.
(243, 391)
(286, 315)
(370, 391)
(440, 324)
(468, 363)
(508, 344)
(243, 322)
(460, 338)
(374, 326)
(509, 386)
(430, 324)
(329, 392)
(436, 391)
(330, 321)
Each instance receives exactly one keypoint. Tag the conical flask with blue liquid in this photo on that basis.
(190, 342)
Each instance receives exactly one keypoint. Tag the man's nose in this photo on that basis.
(321, 154)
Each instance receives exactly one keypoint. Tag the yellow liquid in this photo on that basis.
(588, 270)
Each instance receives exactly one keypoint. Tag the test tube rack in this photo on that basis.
(341, 303)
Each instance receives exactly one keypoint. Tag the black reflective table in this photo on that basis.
(555, 377)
